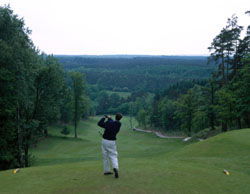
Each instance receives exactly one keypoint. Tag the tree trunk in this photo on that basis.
(76, 109)
(26, 151)
(227, 70)
(20, 139)
(247, 120)
(212, 116)
(45, 132)
(239, 123)
(131, 116)
(223, 70)
(36, 103)
(75, 129)
(190, 123)
(212, 121)
(224, 126)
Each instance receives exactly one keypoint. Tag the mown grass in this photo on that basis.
(121, 94)
(59, 149)
(148, 164)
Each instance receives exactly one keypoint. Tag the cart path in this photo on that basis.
(158, 134)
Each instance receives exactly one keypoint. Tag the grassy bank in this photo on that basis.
(148, 164)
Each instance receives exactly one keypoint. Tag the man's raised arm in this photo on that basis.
(101, 123)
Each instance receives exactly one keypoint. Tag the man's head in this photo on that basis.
(118, 116)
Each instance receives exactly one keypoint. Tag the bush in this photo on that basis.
(65, 131)
(206, 133)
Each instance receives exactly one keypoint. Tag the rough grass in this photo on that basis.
(148, 164)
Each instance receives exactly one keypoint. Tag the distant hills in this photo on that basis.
(137, 72)
(131, 56)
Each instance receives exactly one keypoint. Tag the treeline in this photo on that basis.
(137, 75)
(148, 74)
(106, 102)
(222, 102)
(35, 92)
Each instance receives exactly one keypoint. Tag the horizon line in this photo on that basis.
(191, 55)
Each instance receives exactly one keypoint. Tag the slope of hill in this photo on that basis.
(147, 164)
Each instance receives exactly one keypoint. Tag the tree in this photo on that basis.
(103, 102)
(131, 114)
(210, 102)
(241, 87)
(78, 94)
(186, 108)
(49, 85)
(167, 109)
(231, 51)
(114, 100)
(66, 108)
(242, 51)
(65, 131)
(142, 118)
(226, 107)
(31, 91)
(155, 113)
(18, 59)
(224, 47)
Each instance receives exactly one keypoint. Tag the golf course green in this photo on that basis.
(148, 164)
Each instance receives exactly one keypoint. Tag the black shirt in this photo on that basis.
(111, 128)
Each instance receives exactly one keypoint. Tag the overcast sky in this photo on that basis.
(157, 27)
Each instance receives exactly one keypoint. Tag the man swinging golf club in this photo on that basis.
(109, 151)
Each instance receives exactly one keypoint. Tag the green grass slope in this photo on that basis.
(148, 164)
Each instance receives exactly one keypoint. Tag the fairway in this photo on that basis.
(148, 164)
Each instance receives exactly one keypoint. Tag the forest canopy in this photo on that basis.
(133, 73)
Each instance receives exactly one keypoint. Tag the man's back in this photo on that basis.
(111, 128)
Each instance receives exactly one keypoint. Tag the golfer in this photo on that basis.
(109, 151)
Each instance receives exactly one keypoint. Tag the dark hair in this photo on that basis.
(118, 116)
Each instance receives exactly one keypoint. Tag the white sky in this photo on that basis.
(156, 27)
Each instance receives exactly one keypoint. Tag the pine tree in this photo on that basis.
(224, 47)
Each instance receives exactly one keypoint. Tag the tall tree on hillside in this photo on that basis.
(141, 117)
(228, 51)
(167, 109)
(226, 107)
(31, 91)
(78, 92)
(131, 114)
(210, 102)
(240, 81)
(241, 88)
(48, 89)
(186, 108)
(66, 108)
(155, 113)
(18, 59)
(243, 50)
(224, 47)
